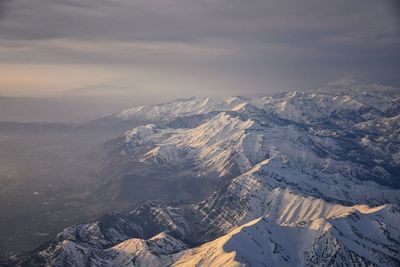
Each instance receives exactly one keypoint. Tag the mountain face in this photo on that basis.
(309, 179)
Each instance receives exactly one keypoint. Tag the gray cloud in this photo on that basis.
(175, 20)
(255, 43)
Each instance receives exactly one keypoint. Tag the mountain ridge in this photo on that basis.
(320, 169)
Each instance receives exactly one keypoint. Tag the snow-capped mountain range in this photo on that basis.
(310, 179)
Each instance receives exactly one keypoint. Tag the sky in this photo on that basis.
(172, 48)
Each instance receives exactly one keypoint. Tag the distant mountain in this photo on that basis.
(304, 179)
(95, 90)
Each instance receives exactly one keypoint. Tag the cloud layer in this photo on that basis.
(196, 46)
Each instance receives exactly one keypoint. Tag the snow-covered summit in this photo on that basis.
(306, 128)
(340, 103)
(180, 107)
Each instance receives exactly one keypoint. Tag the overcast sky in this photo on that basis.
(194, 47)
